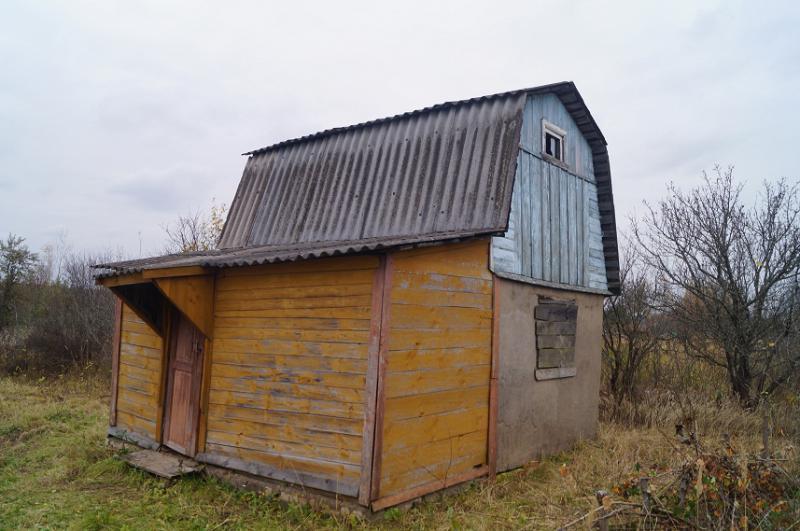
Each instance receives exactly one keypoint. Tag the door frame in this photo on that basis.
(198, 378)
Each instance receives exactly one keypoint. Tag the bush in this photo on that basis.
(68, 324)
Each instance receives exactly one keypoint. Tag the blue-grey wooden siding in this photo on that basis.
(554, 230)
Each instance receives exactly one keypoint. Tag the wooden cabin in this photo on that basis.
(394, 307)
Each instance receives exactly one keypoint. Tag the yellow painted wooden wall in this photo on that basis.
(140, 373)
(438, 366)
(289, 362)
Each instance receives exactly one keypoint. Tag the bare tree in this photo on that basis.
(196, 231)
(731, 277)
(632, 328)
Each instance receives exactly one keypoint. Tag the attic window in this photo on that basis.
(554, 140)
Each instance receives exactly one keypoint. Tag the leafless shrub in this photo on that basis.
(633, 330)
(78, 325)
(69, 320)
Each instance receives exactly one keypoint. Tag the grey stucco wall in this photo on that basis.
(537, 418)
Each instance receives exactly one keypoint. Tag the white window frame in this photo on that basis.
(553, 129)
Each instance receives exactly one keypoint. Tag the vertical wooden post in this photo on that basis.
(493, 398)
(644, 487)
(380, 399)
(205, 381)
(115, 348)
(162, 388)
(373, 361)
(602, 523)
(765, 430)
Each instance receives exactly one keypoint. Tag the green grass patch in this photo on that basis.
(56, 472)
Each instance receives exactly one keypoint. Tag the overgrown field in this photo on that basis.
(56, 472)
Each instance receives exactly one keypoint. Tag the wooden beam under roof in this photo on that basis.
(193, 296)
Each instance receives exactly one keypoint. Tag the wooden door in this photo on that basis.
(184, 374)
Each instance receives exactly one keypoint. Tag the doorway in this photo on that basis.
(184, 377)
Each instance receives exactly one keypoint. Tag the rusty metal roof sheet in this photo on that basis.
(444, 169)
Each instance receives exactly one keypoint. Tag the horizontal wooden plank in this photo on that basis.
(432, 403)
(283, 334)
(290, 292)
(142, 362)
(341, 263)
(427, 281)
(336, 485)
(186, 271)
(339, 394)
(137, 397)
(403, 494)
(288, 404)
(555, 373)
(548, 358)
(134, 423)
(356, 312)
(148, 411)
(316, 302)
(336, 379)
(552, 311)
(418, 359)
(317, 423)
(442, 299)
(548, 329)
(406, 339)
(142, 340)
(284, 448)
(435, 453)
(440, 472)
(421, 316)
(427, 381)
(136, 351)
(430, 428)
(136, 373)
(313, 278)
(132, 369)
(324, 363)
(340, 471)
(557, 341)
(288, 433)
(136, 438)
(140, 386)
(262, 385)
(469, 259)
(138, 327)
(121, 280)
(291, 348)
(292, 323)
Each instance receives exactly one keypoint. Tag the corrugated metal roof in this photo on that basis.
(448, 168)
(443, 169)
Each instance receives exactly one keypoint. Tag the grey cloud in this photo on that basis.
(115, 118)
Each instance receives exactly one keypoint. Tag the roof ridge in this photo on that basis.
(432, 108)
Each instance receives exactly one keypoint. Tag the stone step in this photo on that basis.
(163, 464)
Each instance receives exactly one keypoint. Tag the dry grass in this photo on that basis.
(56, 472)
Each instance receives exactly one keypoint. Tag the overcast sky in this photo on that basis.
(115, 117)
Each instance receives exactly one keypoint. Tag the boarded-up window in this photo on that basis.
(556, 322)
